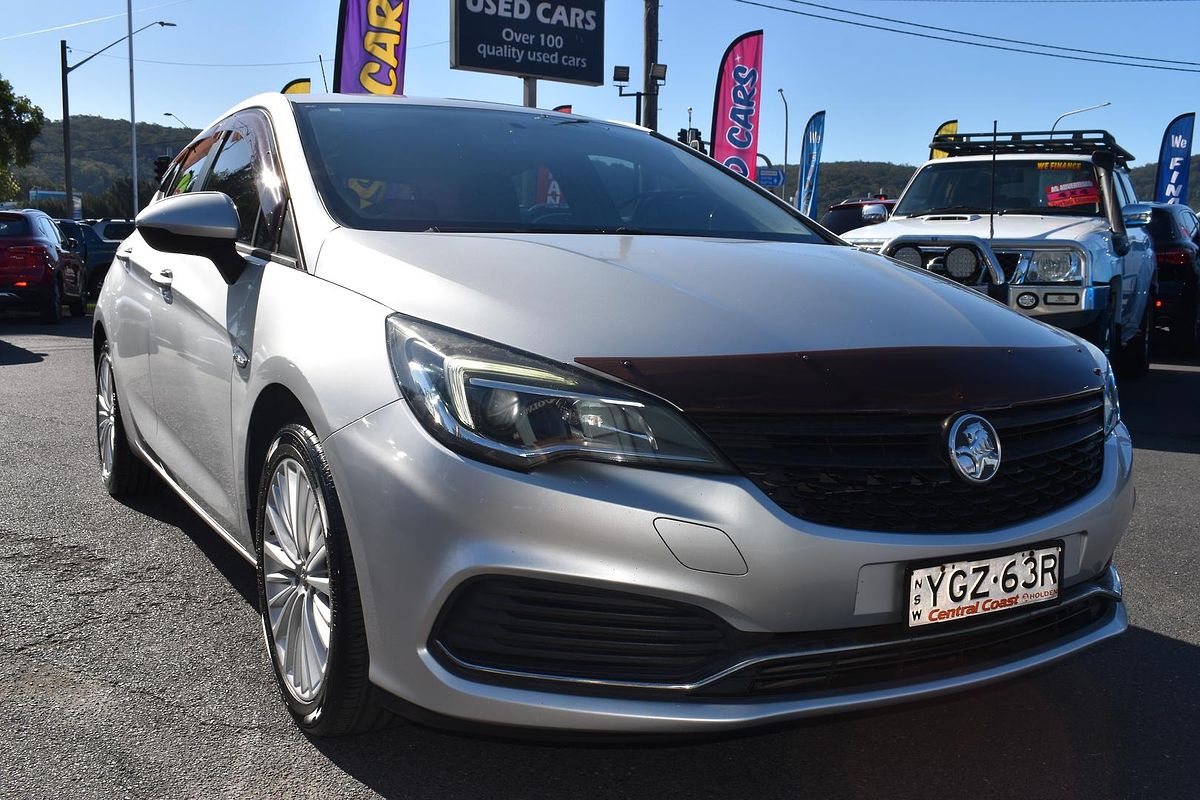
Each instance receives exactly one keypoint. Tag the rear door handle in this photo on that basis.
(163, 278)
(240, 358)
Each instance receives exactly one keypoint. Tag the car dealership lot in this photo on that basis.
(133, 664)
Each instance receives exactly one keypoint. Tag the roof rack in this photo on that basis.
(1076, 142)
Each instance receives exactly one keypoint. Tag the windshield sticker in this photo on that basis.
(1055, 165)
(1077, 193)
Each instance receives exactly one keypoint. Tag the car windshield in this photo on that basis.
(1026, 186)
(13, 225)
(385, 166)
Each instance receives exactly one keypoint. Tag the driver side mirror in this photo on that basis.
(876, 212)
(1137, 215)
(199, 224)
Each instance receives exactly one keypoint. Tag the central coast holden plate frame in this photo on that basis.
(917, 606)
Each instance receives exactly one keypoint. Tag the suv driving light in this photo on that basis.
(518, 410)
(961, 262)
(1054, 266)
(910, 255)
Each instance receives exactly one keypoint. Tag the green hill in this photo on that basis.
(100, 153)
(99, 160)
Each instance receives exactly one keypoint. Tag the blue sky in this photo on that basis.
(884, 93)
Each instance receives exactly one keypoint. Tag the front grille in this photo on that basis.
(1009, 260)
(533, 626)
(562, 637)
(891, 472)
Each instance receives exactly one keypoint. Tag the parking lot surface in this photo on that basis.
(133, 665)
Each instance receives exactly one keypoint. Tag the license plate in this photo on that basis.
(960, 589)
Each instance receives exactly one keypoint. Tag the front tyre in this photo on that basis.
(121, 471)
(308, 592)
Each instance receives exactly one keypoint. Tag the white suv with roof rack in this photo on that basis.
(1046, 223)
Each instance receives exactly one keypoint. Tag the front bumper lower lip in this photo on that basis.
(601, 715)
(1107, 587)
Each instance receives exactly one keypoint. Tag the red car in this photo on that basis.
(39, 267)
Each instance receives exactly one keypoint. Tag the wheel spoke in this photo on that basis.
(317, 640)
(277, 515)
(319, 583)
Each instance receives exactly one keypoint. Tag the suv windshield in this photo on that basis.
(1026, 186)
(385, 166)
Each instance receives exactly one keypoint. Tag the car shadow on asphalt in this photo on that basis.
(1119, 721)
(11, 355)
(165, 506)
(1160, 408)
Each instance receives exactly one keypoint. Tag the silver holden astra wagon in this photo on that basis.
(536, 420)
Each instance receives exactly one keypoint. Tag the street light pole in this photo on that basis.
(66, 125)
(67, 69)
(177, 119)
(1078, 111)
(132, 116)
(785, 144)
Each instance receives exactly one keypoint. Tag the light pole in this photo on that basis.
(67, 69)
(1078, 111)
(177, 119)
(783, 191)
(656, 77)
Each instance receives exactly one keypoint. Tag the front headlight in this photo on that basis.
(1112, 404)
(518, 410)
(1054, 266)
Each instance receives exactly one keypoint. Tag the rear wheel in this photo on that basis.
(52, 305)
(78, 305)
(308, 592)
(122, 472)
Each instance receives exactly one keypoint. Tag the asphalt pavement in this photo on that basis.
(131, 662)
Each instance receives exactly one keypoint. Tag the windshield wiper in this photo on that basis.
(946, 209)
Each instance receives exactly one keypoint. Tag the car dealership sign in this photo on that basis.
(558, 40)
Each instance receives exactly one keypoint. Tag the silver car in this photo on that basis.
(536, 420)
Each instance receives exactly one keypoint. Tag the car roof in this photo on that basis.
(281, 103)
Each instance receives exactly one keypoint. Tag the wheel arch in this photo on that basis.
(275, 406)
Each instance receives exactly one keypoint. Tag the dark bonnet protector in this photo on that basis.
(919, 379)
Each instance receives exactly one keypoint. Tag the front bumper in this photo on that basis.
(424, 520)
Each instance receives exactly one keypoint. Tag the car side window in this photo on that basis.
(189, 177)
(245, 170)
(1191, 225)
(235, 174)
(1125, 186)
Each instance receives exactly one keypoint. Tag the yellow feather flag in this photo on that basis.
(947, 128)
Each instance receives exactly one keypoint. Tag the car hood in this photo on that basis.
(1018, 226)
(567, 296)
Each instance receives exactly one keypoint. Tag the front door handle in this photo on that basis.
(163, 278)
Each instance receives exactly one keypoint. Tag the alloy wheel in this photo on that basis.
(296, 580)
(106, 421)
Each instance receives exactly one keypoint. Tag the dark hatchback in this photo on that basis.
(97, 253)
(39, 267)
(1175, 230)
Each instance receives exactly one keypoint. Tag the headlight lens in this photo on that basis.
(1054, 266)
(520, 411)
(1112, 404)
